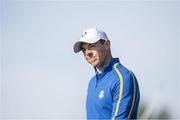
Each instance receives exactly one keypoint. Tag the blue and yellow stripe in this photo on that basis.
(134, 95)
(121, 92)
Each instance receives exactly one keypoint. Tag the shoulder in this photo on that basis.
(92, 83)
(122, 75)
(92, 80)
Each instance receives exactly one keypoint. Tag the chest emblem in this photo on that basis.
(101, 94)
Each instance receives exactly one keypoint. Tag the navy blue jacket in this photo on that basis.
(113, 94)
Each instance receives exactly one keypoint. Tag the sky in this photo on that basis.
(43, 78)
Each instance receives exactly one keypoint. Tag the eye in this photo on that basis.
(83, 50)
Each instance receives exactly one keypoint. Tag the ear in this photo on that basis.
(107, 44)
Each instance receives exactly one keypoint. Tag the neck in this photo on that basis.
(106, 61)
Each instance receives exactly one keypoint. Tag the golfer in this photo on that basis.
(113, 92)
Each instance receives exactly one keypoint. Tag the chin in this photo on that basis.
(95, 64)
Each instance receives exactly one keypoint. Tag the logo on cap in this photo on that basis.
(82, 35)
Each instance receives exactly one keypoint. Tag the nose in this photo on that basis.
(88, 53)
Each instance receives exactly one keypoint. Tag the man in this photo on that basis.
(113, 92)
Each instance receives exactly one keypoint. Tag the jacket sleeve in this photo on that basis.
(123, 92)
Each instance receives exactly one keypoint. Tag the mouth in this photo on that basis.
(92, 60)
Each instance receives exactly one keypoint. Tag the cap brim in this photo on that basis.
(77, 46)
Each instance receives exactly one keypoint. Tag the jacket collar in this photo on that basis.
(107, 67)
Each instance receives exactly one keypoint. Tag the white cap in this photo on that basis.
(90, 35)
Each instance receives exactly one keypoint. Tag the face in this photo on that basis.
(95, 53)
